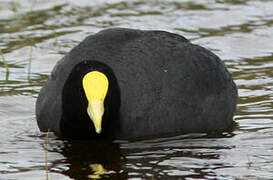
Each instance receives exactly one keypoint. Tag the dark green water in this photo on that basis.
(34, 35)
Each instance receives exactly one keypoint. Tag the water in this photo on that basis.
(34, 35)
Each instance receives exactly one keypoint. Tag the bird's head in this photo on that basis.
(90, 101)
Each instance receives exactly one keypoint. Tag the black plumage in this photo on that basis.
(159, 84)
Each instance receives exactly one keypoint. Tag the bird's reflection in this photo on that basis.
(92, 159)
(149, 158)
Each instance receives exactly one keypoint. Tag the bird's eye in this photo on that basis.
(81, 91)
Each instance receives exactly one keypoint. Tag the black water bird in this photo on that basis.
(125, 84)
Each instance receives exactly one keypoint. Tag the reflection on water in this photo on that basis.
(89, 158)
(35, 34)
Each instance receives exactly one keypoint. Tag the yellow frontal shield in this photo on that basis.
(95, 85)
